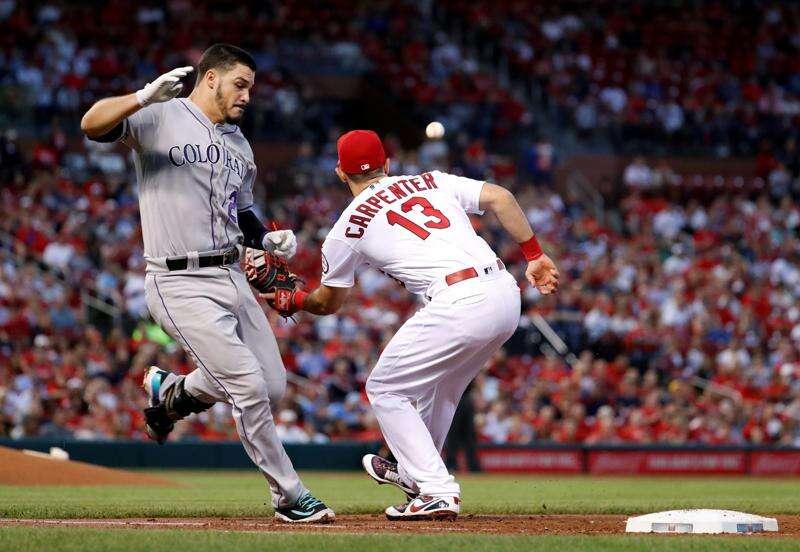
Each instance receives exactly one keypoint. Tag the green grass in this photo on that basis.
(244, 493)
(22, 539)
(231, 494)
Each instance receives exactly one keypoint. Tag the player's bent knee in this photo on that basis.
(383, 399)
(377, 388)
(276, 388)
(372, 390)
(253, 392)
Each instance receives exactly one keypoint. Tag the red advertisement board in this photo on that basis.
(775, 463)
(640, 462)
(655, 462)
(525, 460)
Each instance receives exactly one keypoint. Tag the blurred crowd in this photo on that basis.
(683, 322)
(645, 76)
(681, 317)
(57, 58)
(650, 74)
(685, 325)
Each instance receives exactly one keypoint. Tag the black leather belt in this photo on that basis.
(204, 261)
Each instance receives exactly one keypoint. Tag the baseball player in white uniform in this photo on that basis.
(195, 172)
(416, 230)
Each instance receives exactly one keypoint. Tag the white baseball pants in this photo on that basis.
(213, 314)
(420, 377)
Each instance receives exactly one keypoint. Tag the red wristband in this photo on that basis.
(531, 249)
(299, 298)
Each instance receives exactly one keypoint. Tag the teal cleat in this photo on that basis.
(306, 510)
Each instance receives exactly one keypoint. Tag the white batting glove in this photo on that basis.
(281, 242)
(164, 88)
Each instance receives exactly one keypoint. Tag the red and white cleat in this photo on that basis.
(426, 508)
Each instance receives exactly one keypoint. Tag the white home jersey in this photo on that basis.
(193, 176)
(413, 228)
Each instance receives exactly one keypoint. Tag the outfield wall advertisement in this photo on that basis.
(644, 461)
(527, 460)
(775, 463)
(602, 462)
(561, 459)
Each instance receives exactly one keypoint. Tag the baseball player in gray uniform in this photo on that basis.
(195, 173)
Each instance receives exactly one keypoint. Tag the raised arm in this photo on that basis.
(541, 272)
(107, 113)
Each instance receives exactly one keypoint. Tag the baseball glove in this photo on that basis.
(268, 273)
(287, 302)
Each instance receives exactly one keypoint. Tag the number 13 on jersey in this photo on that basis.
(435, 216)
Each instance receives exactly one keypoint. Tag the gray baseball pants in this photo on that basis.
(213, 314)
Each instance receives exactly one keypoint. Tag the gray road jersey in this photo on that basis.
(193, 176)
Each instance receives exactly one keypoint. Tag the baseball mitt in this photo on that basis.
(266, 272)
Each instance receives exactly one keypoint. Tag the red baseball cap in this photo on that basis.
(360, 151)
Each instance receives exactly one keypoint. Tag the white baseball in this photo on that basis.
(434, 130)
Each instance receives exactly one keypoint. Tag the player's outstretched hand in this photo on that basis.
(282, 243)
(282, 301)
(164, 88)
(543, 275)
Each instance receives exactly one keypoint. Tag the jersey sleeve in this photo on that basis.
(140, 129)
(245, 198)
(467, 191)
(339, 263)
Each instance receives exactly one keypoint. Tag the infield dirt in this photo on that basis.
(21, 469)
(566, 524)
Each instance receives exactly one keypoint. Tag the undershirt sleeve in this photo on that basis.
(252, 229)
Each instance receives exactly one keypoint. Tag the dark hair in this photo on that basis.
(358, 178)
(223, 57)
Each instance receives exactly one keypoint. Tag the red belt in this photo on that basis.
(467, 273)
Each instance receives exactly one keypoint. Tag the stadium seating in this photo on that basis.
(656, 76)
(683, 320)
